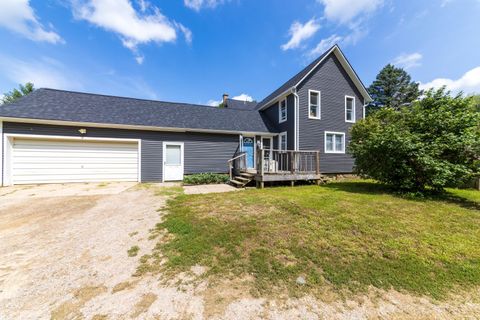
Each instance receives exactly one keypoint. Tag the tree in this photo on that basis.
(15, 94)
(392, 88)
(433, 144)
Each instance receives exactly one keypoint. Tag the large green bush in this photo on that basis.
(433, 143)
(206, 178)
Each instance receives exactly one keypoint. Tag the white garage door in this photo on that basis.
(55, 161)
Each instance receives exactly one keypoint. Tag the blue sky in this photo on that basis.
(195, 50)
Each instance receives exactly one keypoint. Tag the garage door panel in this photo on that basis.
(50, 161)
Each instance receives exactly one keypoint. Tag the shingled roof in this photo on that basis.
(60, 105)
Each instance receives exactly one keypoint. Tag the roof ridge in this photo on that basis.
(138, 99)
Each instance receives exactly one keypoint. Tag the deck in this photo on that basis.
(275, 166)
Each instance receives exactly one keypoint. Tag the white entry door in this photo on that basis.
(173, 161)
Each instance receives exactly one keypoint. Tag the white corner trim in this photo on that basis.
(354, 118)
(280, 120)
(297, 121)
(325, 142)
(319, 106)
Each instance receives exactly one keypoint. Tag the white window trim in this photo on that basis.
(334, 146)
(280, 120)
(319, 105)
(353, 111)
(279, 144)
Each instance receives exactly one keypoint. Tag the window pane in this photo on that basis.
(283, 142)
(313, 98)
(174, 155)
(338, 143)
(349, 109)
(349, 115)
(349, 103)
(329, 142)
(313, 111)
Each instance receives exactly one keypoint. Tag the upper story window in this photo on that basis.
(334, 142)
(282, 141)
(282, 111)
(314, 104)
(349, 109)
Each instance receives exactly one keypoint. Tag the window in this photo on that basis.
(282, 141)
(314, 104)
(349, 109)
(174, 155)
(282, 111)
(334, 142)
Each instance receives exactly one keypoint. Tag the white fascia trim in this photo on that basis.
(346, 65)
(8, 138)
(278, 98)
(319, 102)
(354, 118)
(126, 126)
(325, 142)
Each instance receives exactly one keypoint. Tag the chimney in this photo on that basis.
(224, 99)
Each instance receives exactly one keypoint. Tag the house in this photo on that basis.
(302, 128)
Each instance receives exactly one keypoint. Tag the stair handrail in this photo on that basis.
(230, 163)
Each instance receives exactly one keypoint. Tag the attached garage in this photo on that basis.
(61, 160)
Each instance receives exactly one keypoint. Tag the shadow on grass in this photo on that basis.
(375, 188)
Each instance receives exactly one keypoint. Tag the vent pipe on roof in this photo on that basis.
(224, 99)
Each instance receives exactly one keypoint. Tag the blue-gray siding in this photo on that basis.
(203, 152)
(333, 82)
(288, 126)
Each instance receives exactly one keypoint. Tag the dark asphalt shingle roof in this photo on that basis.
(51, 104)
(292, 81)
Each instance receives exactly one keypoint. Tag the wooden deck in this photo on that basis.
(276, 166)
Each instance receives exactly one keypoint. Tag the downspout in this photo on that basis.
(296, 118)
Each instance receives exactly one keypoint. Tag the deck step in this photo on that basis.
(240, 178)
(237, 183)
(247, 175)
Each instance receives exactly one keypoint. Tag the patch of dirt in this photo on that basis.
(71, 309)
(145, 302)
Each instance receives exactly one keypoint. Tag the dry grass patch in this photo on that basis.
(144, 304)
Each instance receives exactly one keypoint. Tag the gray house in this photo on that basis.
(298, 132)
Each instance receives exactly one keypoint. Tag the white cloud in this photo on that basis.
(327, 43)
(18, 16)
(345, 11)
(43, 72)
(134, 28)
(408, 61)
(468, 83)
(197, 5)
(214, 103)
(300, 32)
(243, 97)
(324, 45)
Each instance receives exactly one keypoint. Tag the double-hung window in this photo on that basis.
(349, 109)
(314, 108)
(334, 142)
(282, 141)
(282, 111)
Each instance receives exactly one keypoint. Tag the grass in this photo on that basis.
(345, 235)
(133, 251)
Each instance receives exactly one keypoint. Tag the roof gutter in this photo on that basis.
(278, 97)
(130, 127)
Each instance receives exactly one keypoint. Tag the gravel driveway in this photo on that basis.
(63, 255)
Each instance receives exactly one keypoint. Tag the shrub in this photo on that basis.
(206, 178)
(434, 143)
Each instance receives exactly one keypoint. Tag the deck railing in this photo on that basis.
(271, 161)
(237, 164)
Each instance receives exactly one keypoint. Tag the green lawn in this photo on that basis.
(344, 235)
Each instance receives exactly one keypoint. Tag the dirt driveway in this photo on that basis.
(63, 253)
